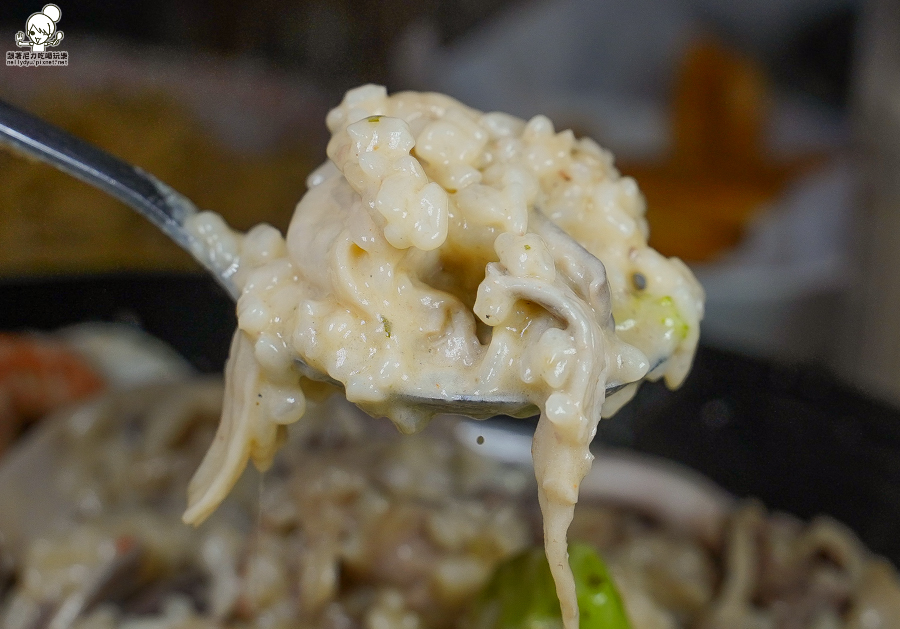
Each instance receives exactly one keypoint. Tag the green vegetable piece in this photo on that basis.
(645, 317)
(521, 594)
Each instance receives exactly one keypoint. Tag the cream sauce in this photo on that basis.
(442, 250)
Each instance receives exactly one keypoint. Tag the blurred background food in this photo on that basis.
(63, 225)
(37, 376)
(717, 175)
(763, 133)
(356, 525)
(54, 224)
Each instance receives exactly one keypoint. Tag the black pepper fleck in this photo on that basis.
(639, 281)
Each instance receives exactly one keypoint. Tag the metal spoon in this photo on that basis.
(168, 210)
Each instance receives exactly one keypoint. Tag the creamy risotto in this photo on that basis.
(442, 251)
(356, 527)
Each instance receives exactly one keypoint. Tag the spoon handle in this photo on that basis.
(163, 206)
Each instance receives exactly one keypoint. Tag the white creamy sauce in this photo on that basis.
(441, 251)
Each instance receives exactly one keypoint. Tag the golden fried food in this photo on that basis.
(52, 223)
(718, 174)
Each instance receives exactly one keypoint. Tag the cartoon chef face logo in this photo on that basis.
(40, 29)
